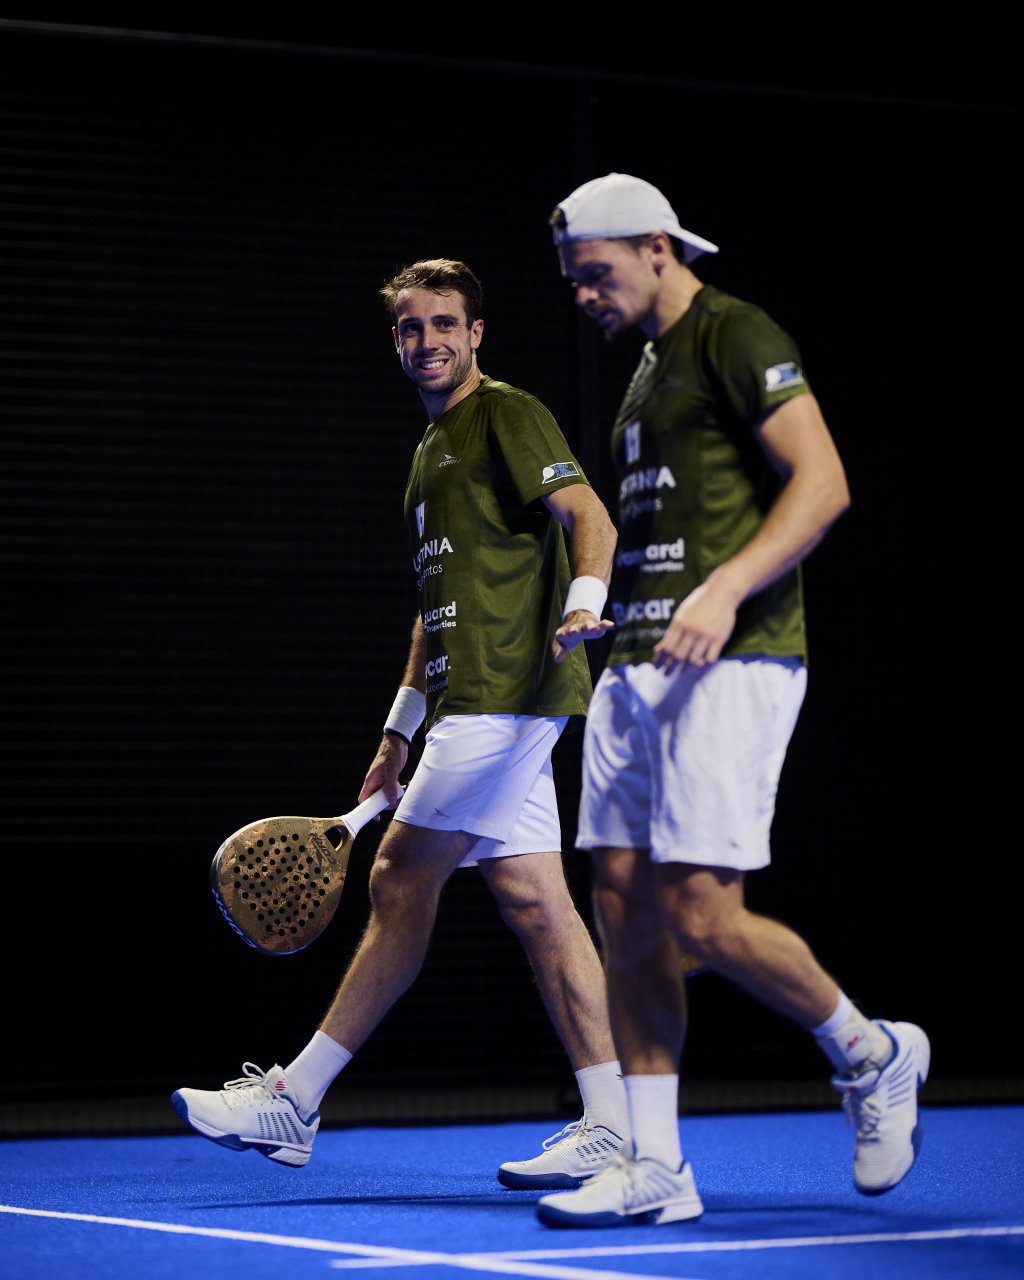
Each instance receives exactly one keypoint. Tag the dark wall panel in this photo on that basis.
(206, 436)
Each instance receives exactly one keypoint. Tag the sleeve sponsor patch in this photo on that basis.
(558, 471)
(632, 443)
(780, 376)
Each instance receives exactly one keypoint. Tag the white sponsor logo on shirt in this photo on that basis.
(632, 443)
(557, 471)
(782, 375)
(421, 515)
(435, 619)
(449, 461)
(429, 549)
(648, 478)
(659, 557)
(652, 610)
(438, 665)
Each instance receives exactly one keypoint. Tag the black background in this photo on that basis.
(208, 603)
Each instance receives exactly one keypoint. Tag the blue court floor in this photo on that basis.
(423, 1204)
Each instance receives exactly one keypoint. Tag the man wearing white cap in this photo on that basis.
(729, 478)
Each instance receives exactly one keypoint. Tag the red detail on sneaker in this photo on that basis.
(281, 1085)
(849, 1045)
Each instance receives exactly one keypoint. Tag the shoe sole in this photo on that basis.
(674, 1211)
(541, 1181)
(290, 1157)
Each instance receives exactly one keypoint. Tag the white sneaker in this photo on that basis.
(882, 1104)
(259, 1111)
(641, 1192)
(569, 1157)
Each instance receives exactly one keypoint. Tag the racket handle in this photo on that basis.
(362, 813)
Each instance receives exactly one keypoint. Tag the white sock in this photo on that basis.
(604, 1097)
(313, 1070)
(849, 1040)
(654, 1118)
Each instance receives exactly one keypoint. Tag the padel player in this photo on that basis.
(496, 668)
(729, 478)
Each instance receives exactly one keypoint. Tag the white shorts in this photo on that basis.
(688, 765)
(489, 775)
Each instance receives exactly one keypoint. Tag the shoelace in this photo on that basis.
(575, 1129)
(862, 1113)
(248, 1088)
(568, 1132)
(633, 1178)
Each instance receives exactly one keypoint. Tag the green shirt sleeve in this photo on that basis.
(757, 363)
(535, 451)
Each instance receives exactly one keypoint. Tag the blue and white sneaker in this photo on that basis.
(569, 1157)
(881, 1103)
(629, 1192)
(259, 1112)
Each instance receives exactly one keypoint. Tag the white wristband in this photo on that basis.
(408, 712)
(585, 593)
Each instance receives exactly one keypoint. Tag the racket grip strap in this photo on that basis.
(362, 813)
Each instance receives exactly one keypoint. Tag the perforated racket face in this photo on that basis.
(278, 881)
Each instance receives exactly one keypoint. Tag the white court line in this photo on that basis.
(715, 1246)
(520, 1262)
(791, 1242)
(394, 1257)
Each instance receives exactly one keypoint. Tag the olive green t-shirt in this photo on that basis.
(695, 486)
(490, 560)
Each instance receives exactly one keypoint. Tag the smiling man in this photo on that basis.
(496, 668)
(729, 478)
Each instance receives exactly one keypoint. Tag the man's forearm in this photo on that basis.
(407, 712)
(800, 518)
(416, 667)
(592, 543)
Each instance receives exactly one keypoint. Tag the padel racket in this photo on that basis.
(278, 881)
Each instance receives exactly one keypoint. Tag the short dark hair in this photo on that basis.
(557, 223)
(439, 275)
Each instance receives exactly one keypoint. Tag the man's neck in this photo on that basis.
(436, 405)
(678, 288)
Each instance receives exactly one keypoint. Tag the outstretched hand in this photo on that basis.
(388, 763)
(580, 625)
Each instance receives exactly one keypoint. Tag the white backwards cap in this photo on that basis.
(618, 206)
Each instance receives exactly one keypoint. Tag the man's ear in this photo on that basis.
(661, 250)
(476, 334)
(394, 334)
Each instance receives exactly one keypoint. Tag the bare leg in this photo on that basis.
(646, 995)
(647, 909)
(703, 907)
(534, 901)
(411, 868)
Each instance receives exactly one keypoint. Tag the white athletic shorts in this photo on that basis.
(489, 775)
(688, 765)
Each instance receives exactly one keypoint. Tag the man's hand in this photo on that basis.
(699, 628)
(388, 763)
(580, 625)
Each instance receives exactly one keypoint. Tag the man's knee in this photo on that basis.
(390, 884)
(529, 920)
(402, 878)
(624, 888)
(535, 912)
(702, 906)
(626, 907)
